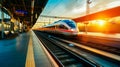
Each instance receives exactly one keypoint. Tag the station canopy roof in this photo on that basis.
(22, 9)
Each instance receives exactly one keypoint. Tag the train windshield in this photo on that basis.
(70, 23)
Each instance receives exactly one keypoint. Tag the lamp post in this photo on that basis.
(88, 2)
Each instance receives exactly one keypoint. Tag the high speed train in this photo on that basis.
(62, 27)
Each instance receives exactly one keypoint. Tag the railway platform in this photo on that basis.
(24, 51)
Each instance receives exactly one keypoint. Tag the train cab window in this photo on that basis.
(70, 23)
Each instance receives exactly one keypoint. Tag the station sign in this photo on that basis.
(21, 12)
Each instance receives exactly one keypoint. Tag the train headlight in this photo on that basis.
(72, 30)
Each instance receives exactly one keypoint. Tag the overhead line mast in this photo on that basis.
(88, 2)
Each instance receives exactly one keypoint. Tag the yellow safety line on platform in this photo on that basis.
(30, 55)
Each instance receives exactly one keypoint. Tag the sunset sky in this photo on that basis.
(76, 8)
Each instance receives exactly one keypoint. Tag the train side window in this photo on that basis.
(62, 27)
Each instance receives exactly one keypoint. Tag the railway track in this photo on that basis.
(111, 61)
(111, 46)
(112, 49)
(103, 47)
(98, 60)
(63, 56)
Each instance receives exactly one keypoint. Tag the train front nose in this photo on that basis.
(74, 31)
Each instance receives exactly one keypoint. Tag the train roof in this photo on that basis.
(67, 21)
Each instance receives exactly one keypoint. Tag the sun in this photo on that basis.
(101, 22)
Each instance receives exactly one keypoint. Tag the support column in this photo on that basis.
(2, 18)
(32, 11)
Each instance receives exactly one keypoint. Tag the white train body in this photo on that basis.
(62, 27)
